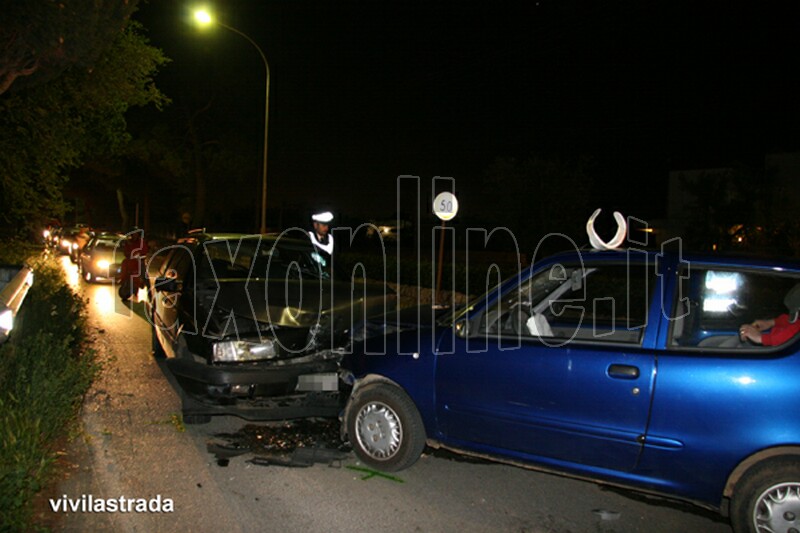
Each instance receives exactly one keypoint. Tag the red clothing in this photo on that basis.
(135, 245)
(782, 331)
(133, 264)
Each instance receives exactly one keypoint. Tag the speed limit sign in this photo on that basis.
(445, 206)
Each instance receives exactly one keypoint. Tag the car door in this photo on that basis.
(578, 392)
(720, 399)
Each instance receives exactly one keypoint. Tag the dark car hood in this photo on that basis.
(299, 304)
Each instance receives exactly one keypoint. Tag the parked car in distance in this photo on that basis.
(255, 326)
(72, 239)
(65, 239)
(388, 230)
(620, 367)
(101, 258)
(50, 235)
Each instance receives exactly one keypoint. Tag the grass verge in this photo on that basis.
(45, 369)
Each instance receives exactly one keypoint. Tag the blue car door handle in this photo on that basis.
(623, 371)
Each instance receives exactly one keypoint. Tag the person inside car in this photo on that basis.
(775, 331)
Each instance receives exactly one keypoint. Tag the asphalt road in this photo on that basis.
(134, 446)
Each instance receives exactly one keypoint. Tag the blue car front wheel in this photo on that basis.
(385, 428)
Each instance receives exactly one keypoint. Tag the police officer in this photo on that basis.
(322, 241)
(320, 235)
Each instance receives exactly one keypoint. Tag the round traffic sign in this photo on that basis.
(445, 206)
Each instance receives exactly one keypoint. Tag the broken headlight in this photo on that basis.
(239, 351)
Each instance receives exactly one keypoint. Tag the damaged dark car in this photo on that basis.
(255, 326)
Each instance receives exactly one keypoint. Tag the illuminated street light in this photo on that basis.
(203, 18)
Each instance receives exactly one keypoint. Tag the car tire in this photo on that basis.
(194, 420)
(158, 350)
(385, 428)
(767, 498)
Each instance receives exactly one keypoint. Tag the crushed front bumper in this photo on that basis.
(259, 391)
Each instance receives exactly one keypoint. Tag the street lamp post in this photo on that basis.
(204, 18)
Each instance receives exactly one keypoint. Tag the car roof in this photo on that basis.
(74, 229)
(719, 260)
(109, 237)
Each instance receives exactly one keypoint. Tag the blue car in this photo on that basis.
(622, 367)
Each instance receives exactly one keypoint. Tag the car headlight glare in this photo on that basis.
(7, 320)
(238, 351)
(103, 264)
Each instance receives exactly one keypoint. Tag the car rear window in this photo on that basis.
(714, 302)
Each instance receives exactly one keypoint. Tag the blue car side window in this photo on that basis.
(607, 303)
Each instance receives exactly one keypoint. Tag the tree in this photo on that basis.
(51, 127)
(40, 39)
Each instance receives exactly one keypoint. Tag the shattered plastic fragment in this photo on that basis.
(276, 460)
(606, 515)
(329, 456)
(299, 443)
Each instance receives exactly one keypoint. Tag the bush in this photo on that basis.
(45, 370)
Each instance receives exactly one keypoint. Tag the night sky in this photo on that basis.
(362, 92)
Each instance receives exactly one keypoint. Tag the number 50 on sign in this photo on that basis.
(445, 206)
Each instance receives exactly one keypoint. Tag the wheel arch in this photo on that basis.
(754, 460)
(359, 384)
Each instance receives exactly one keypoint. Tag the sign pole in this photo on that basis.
(445, 207)
(439, 266)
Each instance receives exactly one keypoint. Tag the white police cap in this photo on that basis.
(323, 218)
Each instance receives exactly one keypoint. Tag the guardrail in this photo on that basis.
(14, 284)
